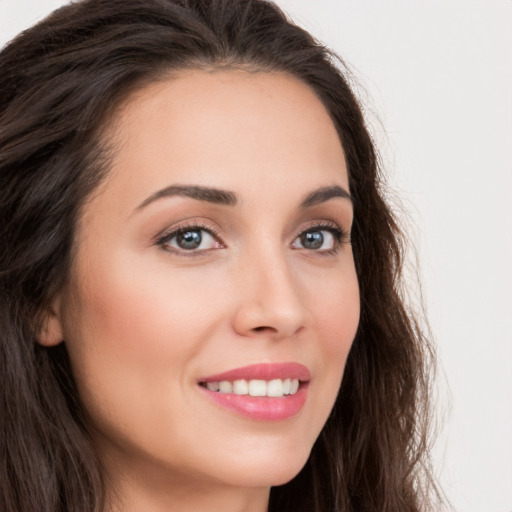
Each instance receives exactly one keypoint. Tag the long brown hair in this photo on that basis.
(59, 83)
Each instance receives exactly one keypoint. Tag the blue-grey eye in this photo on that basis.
(190, 239)
(312, 239)
(315, 240)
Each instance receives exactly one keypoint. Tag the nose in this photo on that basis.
(270, 302)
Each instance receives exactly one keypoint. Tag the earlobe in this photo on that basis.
(50, 332)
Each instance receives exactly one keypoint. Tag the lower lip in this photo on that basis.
(261, 407)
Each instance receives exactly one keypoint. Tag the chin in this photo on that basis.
(273, 470)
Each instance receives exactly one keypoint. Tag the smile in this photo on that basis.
(268, 392)
(256, 387)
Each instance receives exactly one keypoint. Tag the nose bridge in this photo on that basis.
(271, 301)
(276, 280)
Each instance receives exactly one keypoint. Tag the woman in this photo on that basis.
(202, 304)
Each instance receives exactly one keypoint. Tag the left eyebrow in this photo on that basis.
(210, 195)
(323, 194)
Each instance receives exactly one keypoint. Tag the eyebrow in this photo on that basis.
(210, 195)
(324, 194)
(227, 198)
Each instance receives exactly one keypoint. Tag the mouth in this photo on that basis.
(274, 388)
(268, 391)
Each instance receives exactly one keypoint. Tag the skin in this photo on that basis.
(143, 321)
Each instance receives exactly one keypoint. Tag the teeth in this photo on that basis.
(240, 387)
(212, 386)
(275, 388)
(225, 386)
(256, 387)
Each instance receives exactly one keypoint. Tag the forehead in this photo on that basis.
(223, 128)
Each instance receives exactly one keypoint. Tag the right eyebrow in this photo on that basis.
(324, 194)
(208, 194)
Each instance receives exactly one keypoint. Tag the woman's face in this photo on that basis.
(215, 254)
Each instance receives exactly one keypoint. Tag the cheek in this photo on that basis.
(140, 313)
(135, 326)
(335, 308)
(132, 333)
(341, 319)
(336, 316)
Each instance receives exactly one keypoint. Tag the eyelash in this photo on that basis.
(167, 236)
(340, 237)
(339, 234)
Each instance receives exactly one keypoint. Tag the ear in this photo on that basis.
(51, 332)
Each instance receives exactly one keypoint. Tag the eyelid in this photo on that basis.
(325, 224)
(341, 235)
(191, 225)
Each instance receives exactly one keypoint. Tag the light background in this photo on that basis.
(438, 77)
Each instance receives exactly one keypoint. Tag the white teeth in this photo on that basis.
(225, 386)
(256, 387)
(240, 387)
(275, 388)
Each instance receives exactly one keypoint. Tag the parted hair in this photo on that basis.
(60, 83)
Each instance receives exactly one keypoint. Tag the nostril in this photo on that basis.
(264, 328)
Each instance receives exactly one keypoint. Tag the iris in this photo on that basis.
(312, 239)
(189, 239)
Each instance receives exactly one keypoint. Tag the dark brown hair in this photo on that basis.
(60, 81)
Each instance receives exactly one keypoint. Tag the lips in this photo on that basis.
(268, 392)
(264, 371)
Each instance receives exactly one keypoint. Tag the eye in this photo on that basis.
(189, 239)
(319, 238)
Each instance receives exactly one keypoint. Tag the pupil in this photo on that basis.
(189, 239)
(312, 240)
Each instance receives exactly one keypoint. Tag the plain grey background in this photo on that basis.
(437, 77)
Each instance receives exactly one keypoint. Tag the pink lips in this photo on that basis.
(264, 371)
(262, 408)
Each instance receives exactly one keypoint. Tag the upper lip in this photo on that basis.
(262, 371)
